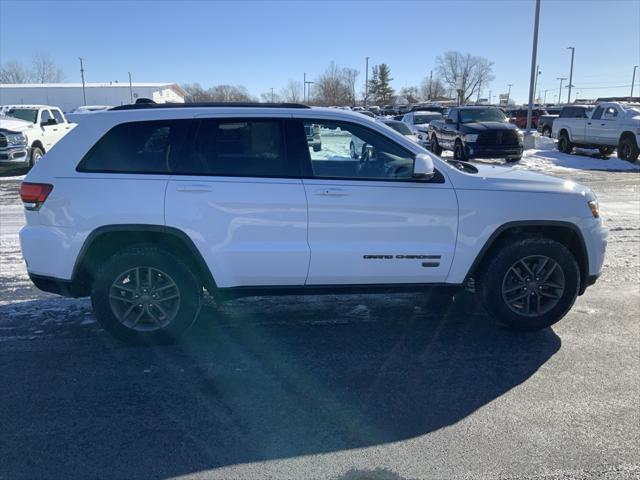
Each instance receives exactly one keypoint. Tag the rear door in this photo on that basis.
(370, 222)
(49, 132)
(608, 131)
(237, 192)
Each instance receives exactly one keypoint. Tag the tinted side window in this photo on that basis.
(137, 147)
(238, 148)
(57, 114)
(45, 116)
(453, 115)
(597, 114)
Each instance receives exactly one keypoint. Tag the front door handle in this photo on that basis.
(332, 192)
(195, 188)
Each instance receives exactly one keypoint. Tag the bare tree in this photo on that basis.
(195, 93)
(331, 89)
(217, 93)
(292, 92)
(270, 97)
(464, 72)
(412, 94)
(13, 72)
(350, 76)
(432, 88)
(45, 70)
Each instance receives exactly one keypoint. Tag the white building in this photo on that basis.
(68, 96)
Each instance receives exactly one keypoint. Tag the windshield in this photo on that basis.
(399, 127)
(426, 118)
(482, 115)
(27, 114)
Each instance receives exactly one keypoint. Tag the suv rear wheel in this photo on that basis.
(435, 146)
(530, 284)
(458, 151)
(146, 295)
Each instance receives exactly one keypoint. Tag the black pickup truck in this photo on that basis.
(476, 132)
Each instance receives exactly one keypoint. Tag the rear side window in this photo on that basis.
(57, 115)
(238, 148)
(137, 147)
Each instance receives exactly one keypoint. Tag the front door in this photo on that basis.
(239, 196)
(370, 222)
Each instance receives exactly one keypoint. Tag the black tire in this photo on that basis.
(36, 155)
(513, 159)
(605, 151)
(458, 151)
(494, 274)
(435, 146)
(564, 144)
(628, 149)
(185, 285)
(317, 148)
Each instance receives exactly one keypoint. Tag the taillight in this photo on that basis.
(33, 195)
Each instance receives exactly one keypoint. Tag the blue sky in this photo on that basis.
(263, 44)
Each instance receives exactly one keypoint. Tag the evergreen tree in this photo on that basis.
(374, 85)
(384, 91)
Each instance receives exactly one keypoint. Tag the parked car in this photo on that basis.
(128, 211)
(608, 126)
(314, 139)
(476, 132)
(430, 108)
(388, 110)
(79, 114)
(357, 146)
(519, 117)
(545, 125)
(375, 110)
(14, 152)
(418, 121)
(42, 125)
(367, 113)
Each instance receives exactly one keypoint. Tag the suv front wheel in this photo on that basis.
(146, 295)
(530, 284)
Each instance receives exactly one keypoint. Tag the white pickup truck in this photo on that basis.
(42, 125)
(610, 125)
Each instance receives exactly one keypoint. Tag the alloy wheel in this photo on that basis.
(144, 299)
(533, 285)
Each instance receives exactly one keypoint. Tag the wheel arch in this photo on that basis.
(109, 239)
(564, 232)
(627, 134)
(38, 144)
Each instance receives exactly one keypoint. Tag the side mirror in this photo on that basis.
(423, 167)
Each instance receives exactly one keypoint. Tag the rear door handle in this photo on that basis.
(194, 188)
(332, 192)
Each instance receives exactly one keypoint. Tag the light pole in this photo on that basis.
(535, 85)
(562, 79)
(130, 88)
(304, 87)
(271, 94)
(509, 93)
(534, 54)
(366, 81)
(633, 80)
(573, 51)
(308, 82)
(84, 95)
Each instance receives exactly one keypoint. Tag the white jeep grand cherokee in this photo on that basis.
(143, 207)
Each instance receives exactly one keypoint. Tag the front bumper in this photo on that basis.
(14, 157)
(473, 150)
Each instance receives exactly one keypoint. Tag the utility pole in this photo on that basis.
(573, 51)
(84, 95)
(560, 91)
(366, 81)
(308, 82)
(633, 80)
(430, 84)
(304, 87)
(509, 93)
(544, 102)
(535, 85)
(130, 88)
(534, 55)
(271, 94)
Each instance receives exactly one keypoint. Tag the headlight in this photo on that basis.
(16, 139)
(471, 138)
(593, 206)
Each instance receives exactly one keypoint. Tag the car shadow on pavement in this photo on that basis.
(267, 379)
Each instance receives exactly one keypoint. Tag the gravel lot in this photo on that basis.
(350, 388)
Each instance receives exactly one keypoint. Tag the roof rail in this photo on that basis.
(146, 106)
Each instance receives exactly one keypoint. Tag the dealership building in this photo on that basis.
(69, 96)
